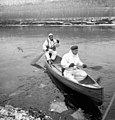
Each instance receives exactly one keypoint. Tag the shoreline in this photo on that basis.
(97, 25)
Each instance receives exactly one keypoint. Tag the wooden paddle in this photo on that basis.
(40, 67)
(95, 68)
(37, 59)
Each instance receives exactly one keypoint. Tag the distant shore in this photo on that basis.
(58, 25)
(60, 22)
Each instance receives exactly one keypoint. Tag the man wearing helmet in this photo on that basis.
(49, 46)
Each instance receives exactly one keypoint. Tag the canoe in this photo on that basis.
(87, 86)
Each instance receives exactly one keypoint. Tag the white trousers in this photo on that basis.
(77, 74)
(53, 55)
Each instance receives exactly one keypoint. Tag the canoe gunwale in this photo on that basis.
(95, 93)
(94, 86)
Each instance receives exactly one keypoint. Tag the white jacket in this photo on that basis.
(50, 44)
(69, 58)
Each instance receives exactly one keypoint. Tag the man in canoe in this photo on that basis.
(70, 64)
(49, 47)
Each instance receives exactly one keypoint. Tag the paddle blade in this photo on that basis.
(98, 80)
(39, 67)
(36, 59)
(96, 68)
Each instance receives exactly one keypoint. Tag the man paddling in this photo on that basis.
(70, 63)
(49, 47)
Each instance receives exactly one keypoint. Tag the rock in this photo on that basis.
(10, 113)
(58, 107)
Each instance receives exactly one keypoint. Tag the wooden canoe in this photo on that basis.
(88, 86)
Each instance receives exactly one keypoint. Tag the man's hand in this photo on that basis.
(71, 65)
(57, 41)
(84, 65)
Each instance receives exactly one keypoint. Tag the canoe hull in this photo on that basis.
(96, 94)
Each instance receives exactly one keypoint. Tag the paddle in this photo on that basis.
(37, 59)
(98, 80)
(40, 67)
(95, 68)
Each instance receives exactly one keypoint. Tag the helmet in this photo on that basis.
(50, 34)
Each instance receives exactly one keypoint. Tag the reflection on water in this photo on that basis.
(75, 100)
(87, 32)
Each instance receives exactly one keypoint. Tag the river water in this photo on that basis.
(96, 48)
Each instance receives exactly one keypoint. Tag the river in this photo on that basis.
(96, 48)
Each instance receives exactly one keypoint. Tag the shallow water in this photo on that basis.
(96, 48)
